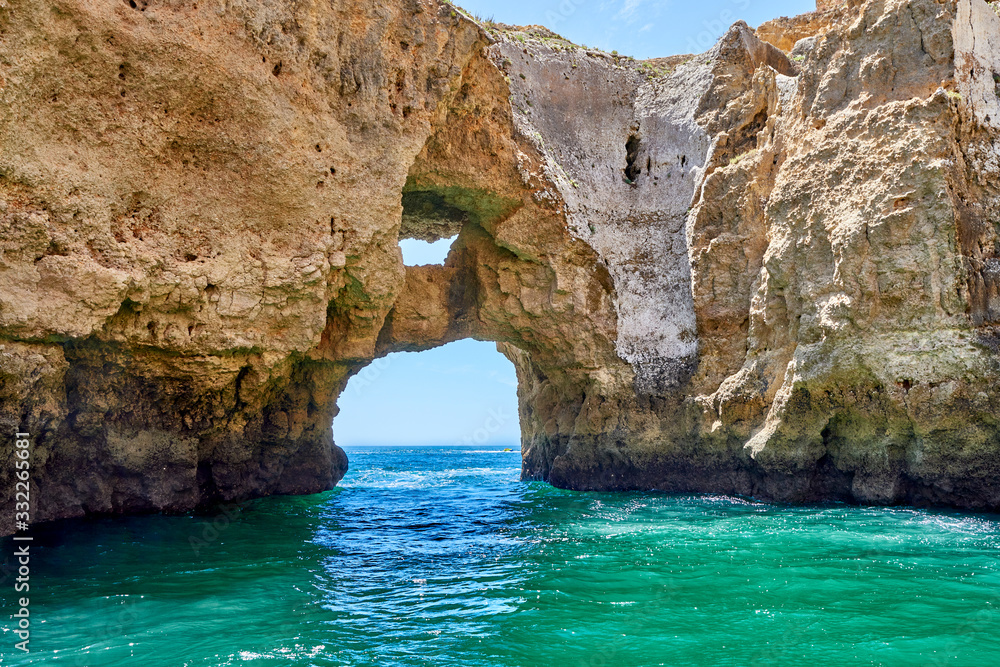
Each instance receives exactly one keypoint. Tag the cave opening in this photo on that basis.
(632, 169)
(417, 252)
(430, 224)
(433, 215)
(461, 393)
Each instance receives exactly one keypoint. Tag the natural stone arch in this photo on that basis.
(200, 246)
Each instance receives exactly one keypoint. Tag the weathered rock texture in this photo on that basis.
(746, 271)
(784, 32)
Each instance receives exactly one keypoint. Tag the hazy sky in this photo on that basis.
(465, 391)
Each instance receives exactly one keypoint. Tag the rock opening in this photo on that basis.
(462, 393)
(632, 170)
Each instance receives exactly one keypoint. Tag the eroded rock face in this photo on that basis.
(785, 32)
(200, 206)
(749, 271)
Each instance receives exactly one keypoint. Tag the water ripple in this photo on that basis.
(440, 556)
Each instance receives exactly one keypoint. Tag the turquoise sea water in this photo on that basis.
(440, 556)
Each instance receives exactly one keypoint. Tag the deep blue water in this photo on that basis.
(441, 556)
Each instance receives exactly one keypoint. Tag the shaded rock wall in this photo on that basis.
(747, 271)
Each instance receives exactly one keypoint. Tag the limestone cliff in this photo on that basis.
(748, 271)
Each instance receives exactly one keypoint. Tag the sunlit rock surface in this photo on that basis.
(769, 269)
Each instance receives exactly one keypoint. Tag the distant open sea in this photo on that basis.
(441, 556)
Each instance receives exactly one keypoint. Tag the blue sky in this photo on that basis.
(421, 252)
(640, 28)
(461, 393)
(465, 392)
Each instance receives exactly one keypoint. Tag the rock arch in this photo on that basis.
(722, 272)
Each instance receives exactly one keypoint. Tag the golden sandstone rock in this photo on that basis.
(770, 269)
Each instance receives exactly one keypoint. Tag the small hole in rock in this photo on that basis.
(632, 170)
(421, 253)
(277, 70)
(333, 170)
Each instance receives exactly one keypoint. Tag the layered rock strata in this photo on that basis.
(751, 271)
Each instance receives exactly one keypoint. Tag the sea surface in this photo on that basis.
(441, 556)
